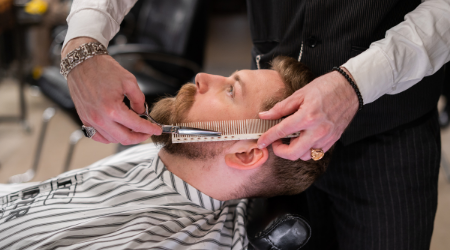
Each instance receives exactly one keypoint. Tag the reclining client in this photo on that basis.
(178, 196)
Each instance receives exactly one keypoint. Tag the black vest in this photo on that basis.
(333, 31)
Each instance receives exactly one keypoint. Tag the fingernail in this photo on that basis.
(263, 112)
(261, 146)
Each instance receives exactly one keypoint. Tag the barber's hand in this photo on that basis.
(321, 110)
(98, 86)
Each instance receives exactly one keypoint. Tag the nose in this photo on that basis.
(206, 82)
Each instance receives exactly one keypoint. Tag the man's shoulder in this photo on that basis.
(130, 157)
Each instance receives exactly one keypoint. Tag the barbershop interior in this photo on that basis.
(164, 44)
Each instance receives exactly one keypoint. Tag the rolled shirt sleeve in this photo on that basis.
(99, 19)
(413, 49)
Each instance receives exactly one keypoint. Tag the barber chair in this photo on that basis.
(275, 223)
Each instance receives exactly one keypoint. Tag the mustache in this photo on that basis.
(171, 110)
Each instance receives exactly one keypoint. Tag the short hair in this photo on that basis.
(281, 176)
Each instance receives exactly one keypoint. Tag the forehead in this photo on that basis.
(262, 76)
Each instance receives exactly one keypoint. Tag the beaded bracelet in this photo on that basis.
(352, 83)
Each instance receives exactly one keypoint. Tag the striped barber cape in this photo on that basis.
(126, 201)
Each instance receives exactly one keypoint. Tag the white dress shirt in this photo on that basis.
(127, 201)
(413, 49)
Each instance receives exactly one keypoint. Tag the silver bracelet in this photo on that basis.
(81, 54)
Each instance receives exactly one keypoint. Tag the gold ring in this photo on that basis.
(317, 154)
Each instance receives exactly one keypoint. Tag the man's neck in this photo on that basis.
(211, 177)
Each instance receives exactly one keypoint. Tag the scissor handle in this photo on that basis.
(146, 114)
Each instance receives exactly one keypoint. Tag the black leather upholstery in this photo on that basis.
(287, 232)
(275, 223)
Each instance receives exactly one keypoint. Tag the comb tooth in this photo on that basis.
(233, 131)
(224, 128)
(253, 126)
(245, 126)
(227, 126)
(224, 125)
(260, 125)
(238, 126)
(257, 126)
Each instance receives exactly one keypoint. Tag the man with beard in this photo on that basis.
(182, 196)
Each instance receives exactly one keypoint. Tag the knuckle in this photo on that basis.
(96, 119)
(132, 78)
(292, 157)
(304, 158)
(280, 133)
(111, 112)
(279, 106)
(126, 141)
(323, 131)
(309, 119)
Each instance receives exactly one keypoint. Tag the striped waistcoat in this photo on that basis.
(331, 32)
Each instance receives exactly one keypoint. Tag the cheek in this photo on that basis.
(209, 109)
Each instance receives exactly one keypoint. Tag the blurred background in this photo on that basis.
(164, 43)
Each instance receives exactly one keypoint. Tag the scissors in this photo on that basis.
(169, 129)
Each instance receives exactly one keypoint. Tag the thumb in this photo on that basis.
(281, 109)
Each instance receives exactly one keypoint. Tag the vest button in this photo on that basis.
(312, 41)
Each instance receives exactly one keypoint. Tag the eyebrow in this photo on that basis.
(238, 78)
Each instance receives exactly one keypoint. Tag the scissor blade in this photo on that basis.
(198, 132)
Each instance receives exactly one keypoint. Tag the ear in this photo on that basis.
(246, 155)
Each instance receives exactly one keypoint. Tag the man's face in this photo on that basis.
(239, 96)
(216, 98)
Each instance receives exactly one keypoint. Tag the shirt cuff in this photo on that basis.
(93, 24)
(372, 73)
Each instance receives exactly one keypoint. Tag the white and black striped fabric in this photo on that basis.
(127, 201)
